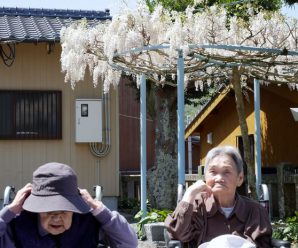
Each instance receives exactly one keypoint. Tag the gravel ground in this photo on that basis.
(147, 244)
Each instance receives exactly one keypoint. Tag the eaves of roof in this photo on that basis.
(41, 25)
(212, 104)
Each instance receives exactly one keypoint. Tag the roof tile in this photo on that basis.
(32, 25)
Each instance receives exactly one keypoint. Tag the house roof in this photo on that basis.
(204, 113)
(37, 25)
(282, 91)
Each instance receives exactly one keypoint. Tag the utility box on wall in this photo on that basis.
(88, 120)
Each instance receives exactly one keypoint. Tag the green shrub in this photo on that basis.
(287, 229)
(129, 205)
(153, 216)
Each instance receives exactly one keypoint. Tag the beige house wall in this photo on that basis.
(34, 69)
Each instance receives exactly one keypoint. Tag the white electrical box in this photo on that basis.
(88, 120)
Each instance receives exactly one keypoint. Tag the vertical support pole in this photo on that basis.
(189, 146)
(258, 165)
(143, 132)
(181, 129)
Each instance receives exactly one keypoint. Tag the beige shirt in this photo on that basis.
(205, 220)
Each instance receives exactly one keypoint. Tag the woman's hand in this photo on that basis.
(195, 189)
(94, 204)
(16, 206)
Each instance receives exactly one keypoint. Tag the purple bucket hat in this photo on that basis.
(55, 188)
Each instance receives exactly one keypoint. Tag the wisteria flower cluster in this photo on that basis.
(211, 42)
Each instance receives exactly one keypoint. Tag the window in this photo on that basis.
(28, 114)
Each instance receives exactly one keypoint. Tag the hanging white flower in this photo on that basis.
(143, 42)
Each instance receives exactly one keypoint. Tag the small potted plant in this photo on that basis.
(151, 227)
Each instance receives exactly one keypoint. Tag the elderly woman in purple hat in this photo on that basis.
(213, 208)
(59, 214)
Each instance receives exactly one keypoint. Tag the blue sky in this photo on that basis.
(114, 5)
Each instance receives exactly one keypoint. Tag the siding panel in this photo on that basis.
(34, 69)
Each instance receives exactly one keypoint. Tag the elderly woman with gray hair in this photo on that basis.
(53, 212)
(213, 208)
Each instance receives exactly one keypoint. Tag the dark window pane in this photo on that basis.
(6, 115)
(30, 115)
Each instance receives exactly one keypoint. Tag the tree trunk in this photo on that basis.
(163, 176)
(251, 181)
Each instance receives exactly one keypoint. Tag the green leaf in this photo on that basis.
(291, 219)
(138, 215)
(287, 230)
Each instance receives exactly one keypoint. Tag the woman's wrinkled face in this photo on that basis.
(222, 175)
(56, 222)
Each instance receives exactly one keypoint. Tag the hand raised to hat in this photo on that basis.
(16, 206)
(93, 203)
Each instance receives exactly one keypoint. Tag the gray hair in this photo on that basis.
(225, 150)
